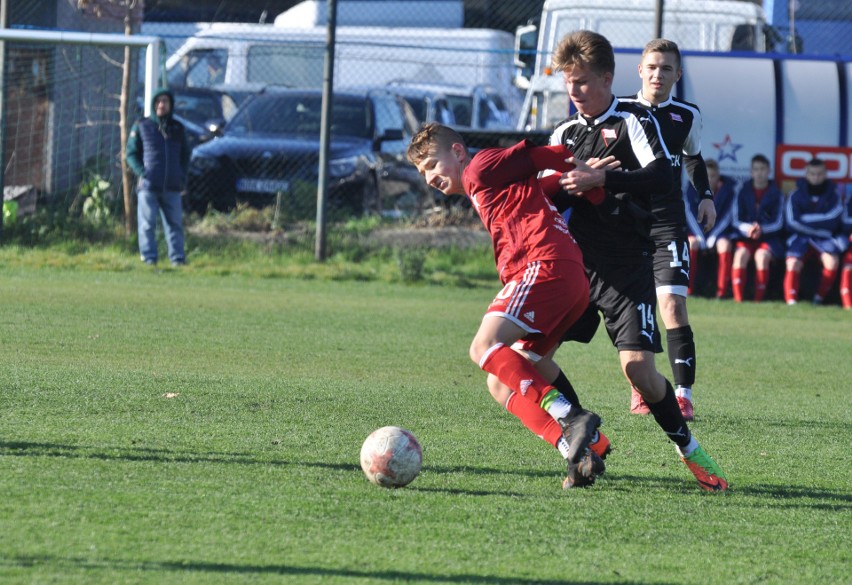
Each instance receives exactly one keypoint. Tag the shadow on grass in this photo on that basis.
(24, 449)
(782, 494)
(27, 449)
(287, 570)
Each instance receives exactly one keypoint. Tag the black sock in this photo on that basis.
(667, 414)
(564, 386)
(681, 350)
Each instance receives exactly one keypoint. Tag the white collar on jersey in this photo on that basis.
(647, 104)
(603, 117)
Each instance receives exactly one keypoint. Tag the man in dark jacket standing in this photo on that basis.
(158, 153)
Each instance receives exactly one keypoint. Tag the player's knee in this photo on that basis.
(476, 351)
(830, 261)
(481, 347)
(673, 309)
(677, 311)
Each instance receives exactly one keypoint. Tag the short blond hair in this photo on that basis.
(586, 48)
(432, 138)
(662, 46)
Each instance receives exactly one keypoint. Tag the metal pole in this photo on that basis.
(2, 113)
(658, 22)
(794, 48)
(325, 131)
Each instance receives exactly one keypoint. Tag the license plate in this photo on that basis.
(262, 185)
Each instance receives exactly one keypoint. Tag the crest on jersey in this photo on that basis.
(608, 134)
(676, 117)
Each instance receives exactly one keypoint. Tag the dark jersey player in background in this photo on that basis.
(680, 129)
(614, 235)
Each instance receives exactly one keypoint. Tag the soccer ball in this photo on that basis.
(391, 457)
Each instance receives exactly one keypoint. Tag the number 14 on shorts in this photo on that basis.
(646, 314)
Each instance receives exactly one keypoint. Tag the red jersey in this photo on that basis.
(524, 225)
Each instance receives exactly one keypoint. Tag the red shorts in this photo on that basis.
(753, 245)
(544, 300)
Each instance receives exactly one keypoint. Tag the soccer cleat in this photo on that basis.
(579, 429)
(584, 473)
(601, 445)
(685, 405)
(709, 475)
(637, 403)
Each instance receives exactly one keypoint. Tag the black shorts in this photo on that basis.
(625, 294)
(671, 265)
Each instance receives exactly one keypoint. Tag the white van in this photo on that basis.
(695, 25)
(242, 55)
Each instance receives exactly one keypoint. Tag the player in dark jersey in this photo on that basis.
(614, 236)
(545, 287)
(680, 129)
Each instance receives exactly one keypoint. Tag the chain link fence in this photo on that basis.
(249, 95)
(61, 127)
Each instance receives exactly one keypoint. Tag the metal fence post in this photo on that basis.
(325, 131)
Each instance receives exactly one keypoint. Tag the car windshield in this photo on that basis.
(198, 108)
(418, 104)
(300, 114)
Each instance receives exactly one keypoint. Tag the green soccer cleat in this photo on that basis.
(709, 475)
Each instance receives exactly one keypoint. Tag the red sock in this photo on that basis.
(761, 280)
(738, 283)
(828, 276)
(693, 268)
(544, 426)
(516, 372)
(846, 288)
(535, 419)
(723, 273)
(791, 286)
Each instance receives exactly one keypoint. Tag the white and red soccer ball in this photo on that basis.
(391, 457)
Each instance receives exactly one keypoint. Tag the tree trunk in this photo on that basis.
(126, 174)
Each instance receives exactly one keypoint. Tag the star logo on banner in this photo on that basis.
(727, 149)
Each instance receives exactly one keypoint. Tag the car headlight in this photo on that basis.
(342, 167)
(203, 163)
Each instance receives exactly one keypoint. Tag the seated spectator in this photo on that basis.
(758, 217)
(813, 214)
(720, 238)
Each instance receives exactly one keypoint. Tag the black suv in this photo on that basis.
(269, 152)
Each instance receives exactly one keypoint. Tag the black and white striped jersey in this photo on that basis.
(619, 227)
(680, 127)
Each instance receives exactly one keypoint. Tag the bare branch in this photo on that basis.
(109, 59)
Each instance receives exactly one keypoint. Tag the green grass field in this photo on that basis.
(183, 427)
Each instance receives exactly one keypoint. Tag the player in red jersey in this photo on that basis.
(545, 286)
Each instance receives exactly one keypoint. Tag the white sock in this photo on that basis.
(563, 447)
(689, 449)
(684, 392)
(559, 407)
